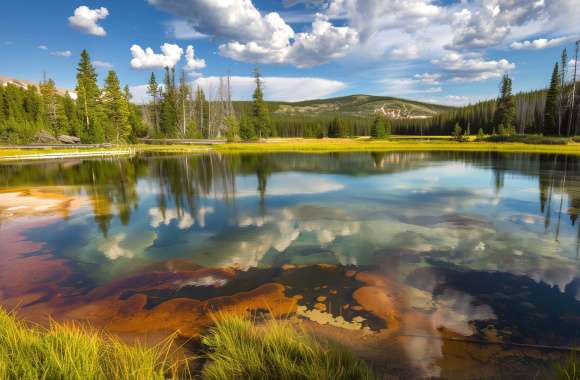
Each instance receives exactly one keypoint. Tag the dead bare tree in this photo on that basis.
(572, 102)
(562, 96)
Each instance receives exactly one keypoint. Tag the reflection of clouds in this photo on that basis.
(289, 184)
(206, 281)
(201, 213)
(558, 275)
(112, 248)
(184, 219)
(451, 310)
(126, 245)
(245, 247)
(327, 231)
(455, 310)
(257, 221)
(526, 219)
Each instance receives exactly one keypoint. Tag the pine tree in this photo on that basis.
(232, 128)
(378, 127)
(153, 91)
(388, 126)
(49, 106)
(201, 111)
(168, 119)
(505, 114)
(88, 95)
(260, 109)
(116, 105)
(562, 95)
(184, 95)
(127, 93)
(551, 112)
(247, 131)
(336, 128)
(69, 107)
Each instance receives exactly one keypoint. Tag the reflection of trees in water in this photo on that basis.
(559, 178)
(179, 181)
(182, 180)
(110, 184)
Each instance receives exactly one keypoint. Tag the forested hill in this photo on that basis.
(4, 81)
(353, 106)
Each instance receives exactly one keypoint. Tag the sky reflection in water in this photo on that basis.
(482, 245)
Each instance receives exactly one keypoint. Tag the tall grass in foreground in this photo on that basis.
(570, 370)
(238, 349)
(73, 352)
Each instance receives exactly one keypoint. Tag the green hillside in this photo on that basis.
(354, 106)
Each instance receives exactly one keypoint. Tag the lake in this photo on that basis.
(425, 264)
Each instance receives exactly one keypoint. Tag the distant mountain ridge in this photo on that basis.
(4, 81)
(355, 106)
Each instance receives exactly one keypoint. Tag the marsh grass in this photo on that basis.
(392, 144)
(529, 139)
(361, 144)
(69, 351)
(240, 349)
(570, 370)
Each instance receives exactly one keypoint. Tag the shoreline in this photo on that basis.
(290, 145)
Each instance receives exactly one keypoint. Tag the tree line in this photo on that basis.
(177, 110)
(551, 112)
(98, 115)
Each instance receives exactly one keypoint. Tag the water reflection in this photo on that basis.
(113, 185)
(415, 248)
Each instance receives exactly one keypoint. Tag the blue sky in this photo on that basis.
(441, 51)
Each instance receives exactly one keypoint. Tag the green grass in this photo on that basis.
(235, 348)
(529, 139)
(570, 370)
(365, 144)
(238, 349)
(73, 352)
(529, 144)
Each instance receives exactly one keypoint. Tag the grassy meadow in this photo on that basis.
(394, 143)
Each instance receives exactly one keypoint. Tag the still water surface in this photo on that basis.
(426, 264)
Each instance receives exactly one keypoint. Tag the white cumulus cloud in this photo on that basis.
(85, 20)
(428, 78)
(324, 43)
(487, 23)
(193, 64)
(148, 59)
(64, 53)
(182, 30)
(103, 64)
(472, 67)
(261, 38)
(541, 43)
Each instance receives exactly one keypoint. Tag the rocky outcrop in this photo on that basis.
(65, 139)
(44, 137)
